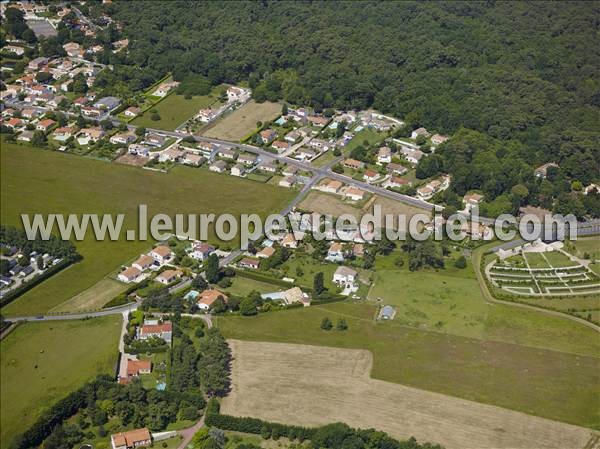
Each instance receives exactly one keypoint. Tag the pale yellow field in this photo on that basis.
(93, 298)
(311, 386)
(325, 203)
(241, 122)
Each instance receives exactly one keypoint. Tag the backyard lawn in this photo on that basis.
(174, 110)
(72, 184)
(43, 362)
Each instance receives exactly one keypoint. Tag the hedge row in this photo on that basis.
(14, 294)
(254, 425)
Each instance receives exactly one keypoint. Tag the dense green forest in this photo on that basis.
(524, 75)
(516, 83)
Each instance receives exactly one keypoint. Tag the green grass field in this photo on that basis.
(552, 384)
(536, 260)
(70, 184)
(558, 259)
(174, 110)
(93, 298)
(370, 135)
(590, 245)
(37, 370)
(241, 286)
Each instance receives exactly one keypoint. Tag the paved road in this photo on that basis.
(76, 316)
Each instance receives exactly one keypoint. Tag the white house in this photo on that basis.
(161, 254)
(335, 253)
(344, 276)
(384, 156)
(129, 274)
(201, 251)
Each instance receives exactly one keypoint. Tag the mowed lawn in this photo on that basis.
(93, 298)
(37, 181)
(242, 121)
(43, 362)
(556, 385)
(174, 110)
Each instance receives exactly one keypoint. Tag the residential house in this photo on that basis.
(419, 132)
(591, 188)
(426, 192)
(206, 115)
(227, 153)
(63, 133)
(137, 367)
(207, 298)
(235, 93)
(218, 167)
(317, 120)
(304, 154)
(353, 193)
(168, 276)
(143, 262)
(193, 159)
(15, 123)
(161, 254)
(384, 156)
(90, 135)
(37, 63)
(396, 169)
(19, 51)
(370, 176)
(320, 144)
(30, 113)
(139, 150)
(247, 262)
(132, 111)
(396, 181)
(358, 250)
(471, 200)
(344, 276)
(335, 253)
(163, 330)
(123, 138)
(247, 159)
(156, 140)
(73, 49)
(289, 170)
(353, 164)
(288, 181)
(172, 154)
(266, 252)
(45, 125)
(163, 89)
(267, 136)
(25, 136)
(289, 241)
(206, 148)
(438, 139)
(291, 137)
(201, 251)
(330, 186)
(542, 170)
(412, 156)
(131, 439)
(268, 166)
(92, 112)
(238, 170)
(108, 103)
(56, 101)
(129, 274)
(280, 146)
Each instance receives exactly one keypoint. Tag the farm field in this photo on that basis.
(174, 110)
(242, 121)
(93, 298)
(271, 381)
(491, 369)
(70, 184)
(37, 370)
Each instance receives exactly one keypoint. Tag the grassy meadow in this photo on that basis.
(37, 370)
(37, 181)
(174, 110)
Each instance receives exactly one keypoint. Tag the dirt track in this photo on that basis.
(309, 385)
